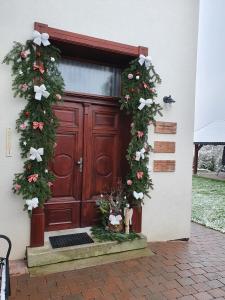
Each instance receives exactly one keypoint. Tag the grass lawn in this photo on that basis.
(208, 202)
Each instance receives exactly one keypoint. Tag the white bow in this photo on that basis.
(40, 91)
(39, 38)
(32, 203)
(147, 60)
(144, 102)
(138, 195)
(140, 154)
(36, 154)
(115, 220)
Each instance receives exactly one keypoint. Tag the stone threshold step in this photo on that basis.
(89, 262)
(41, 256)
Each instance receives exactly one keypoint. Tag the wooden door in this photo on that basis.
(63, 209)
(91, 133)
(101, 159)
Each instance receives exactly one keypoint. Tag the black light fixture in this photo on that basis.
(168, 99)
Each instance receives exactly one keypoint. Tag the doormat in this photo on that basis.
(70, 240)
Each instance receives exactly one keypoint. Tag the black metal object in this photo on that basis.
(70, 240)
(4, 267)
(168, 99)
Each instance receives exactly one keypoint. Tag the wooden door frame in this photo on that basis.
(68, 37)
(113, 51)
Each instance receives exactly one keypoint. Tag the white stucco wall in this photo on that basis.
(169, 29)
(210, 88)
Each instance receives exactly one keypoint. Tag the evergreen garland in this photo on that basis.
(138, 85)
(101, 234)
(35, 70)
(34, 67)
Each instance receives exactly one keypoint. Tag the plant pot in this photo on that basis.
(116, 228)
(37, 227)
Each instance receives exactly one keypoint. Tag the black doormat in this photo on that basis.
(70, 240)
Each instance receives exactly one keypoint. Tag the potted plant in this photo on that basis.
(111, 206)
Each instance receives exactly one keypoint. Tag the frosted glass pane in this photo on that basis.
(90, 78)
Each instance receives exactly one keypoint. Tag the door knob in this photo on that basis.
(80, 164)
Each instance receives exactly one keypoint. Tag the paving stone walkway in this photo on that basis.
(183, 270)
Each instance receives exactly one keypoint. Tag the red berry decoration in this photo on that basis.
(129, 182)
(58, 97)
(140, 134)
(23, 54)
(24, 87)
(140, 174)
(17, 187)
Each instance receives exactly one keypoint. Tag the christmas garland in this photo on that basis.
(101, 234)
(38, 80)
(138, 98)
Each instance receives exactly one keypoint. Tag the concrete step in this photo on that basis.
(89, 262)
(46, 255)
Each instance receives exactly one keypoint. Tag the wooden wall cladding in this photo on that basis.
(164, 165)
(166, 127)
(164, 147)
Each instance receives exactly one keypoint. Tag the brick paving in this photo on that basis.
(178, 270)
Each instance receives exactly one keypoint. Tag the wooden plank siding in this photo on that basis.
(166, 127)
(164, 165)
(164, 147)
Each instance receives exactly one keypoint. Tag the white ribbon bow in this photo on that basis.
(36, 154)
(138, 195)
(115, 220)
(140, 154)
(40, 91)
(32, 203)
(39, 38)
(144, 102)
(147, 60)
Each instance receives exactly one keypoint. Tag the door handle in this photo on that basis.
(80, 164)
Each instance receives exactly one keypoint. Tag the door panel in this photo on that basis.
(63, 209)
(63, 165)
(62, 215)
(104, 119)
(104, 152)
(102, 158)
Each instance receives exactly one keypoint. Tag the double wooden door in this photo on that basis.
(89, 159)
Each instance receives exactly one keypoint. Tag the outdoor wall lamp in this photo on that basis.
(168, 99)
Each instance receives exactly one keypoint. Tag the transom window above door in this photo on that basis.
(90, 78)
